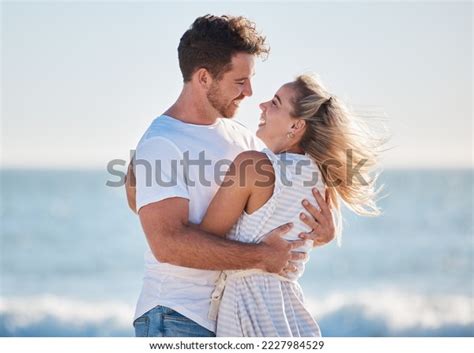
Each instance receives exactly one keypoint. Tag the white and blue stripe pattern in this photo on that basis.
(260, 304)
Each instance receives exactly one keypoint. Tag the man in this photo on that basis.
(175, 167)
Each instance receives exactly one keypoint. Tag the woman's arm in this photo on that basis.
(235, 192)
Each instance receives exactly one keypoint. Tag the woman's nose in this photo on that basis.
(262, 106)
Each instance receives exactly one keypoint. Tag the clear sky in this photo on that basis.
(81, 81)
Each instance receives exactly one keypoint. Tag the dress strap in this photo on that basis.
(281, 174)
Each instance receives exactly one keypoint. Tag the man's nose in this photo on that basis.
(247, 91)
(262, 106)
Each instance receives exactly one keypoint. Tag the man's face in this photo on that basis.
(225, 94)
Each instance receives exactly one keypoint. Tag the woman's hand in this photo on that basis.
(320, 221)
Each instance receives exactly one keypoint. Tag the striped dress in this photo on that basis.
(256, 303)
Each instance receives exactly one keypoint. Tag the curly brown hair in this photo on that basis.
(211, 41)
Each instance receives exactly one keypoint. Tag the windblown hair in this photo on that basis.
(342, 145)
(211, 41)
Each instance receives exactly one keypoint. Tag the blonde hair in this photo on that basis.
(338, 140)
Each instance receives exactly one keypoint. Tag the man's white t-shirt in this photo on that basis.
(176, 159)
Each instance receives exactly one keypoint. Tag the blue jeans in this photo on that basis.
(165, 322)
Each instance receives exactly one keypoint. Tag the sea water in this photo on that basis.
(72, 258)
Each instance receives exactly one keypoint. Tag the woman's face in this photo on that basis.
(276, 121)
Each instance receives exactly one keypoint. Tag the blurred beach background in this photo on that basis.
(72, 259)
(81, 81)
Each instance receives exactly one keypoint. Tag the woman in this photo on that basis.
(312, 142)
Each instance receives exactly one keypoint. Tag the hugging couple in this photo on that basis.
(226, 251)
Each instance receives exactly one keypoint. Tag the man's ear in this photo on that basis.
(203, 77)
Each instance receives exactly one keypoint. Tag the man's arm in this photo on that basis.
(173, 240)
(130, 188)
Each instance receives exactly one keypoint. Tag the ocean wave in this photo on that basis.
(52, 316)
(392, 312)
(362, 313)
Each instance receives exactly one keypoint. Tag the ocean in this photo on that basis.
(72, 258)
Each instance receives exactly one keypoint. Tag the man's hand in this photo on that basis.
(320, 221)
(279, 252)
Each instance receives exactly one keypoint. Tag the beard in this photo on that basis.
(224, 107)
